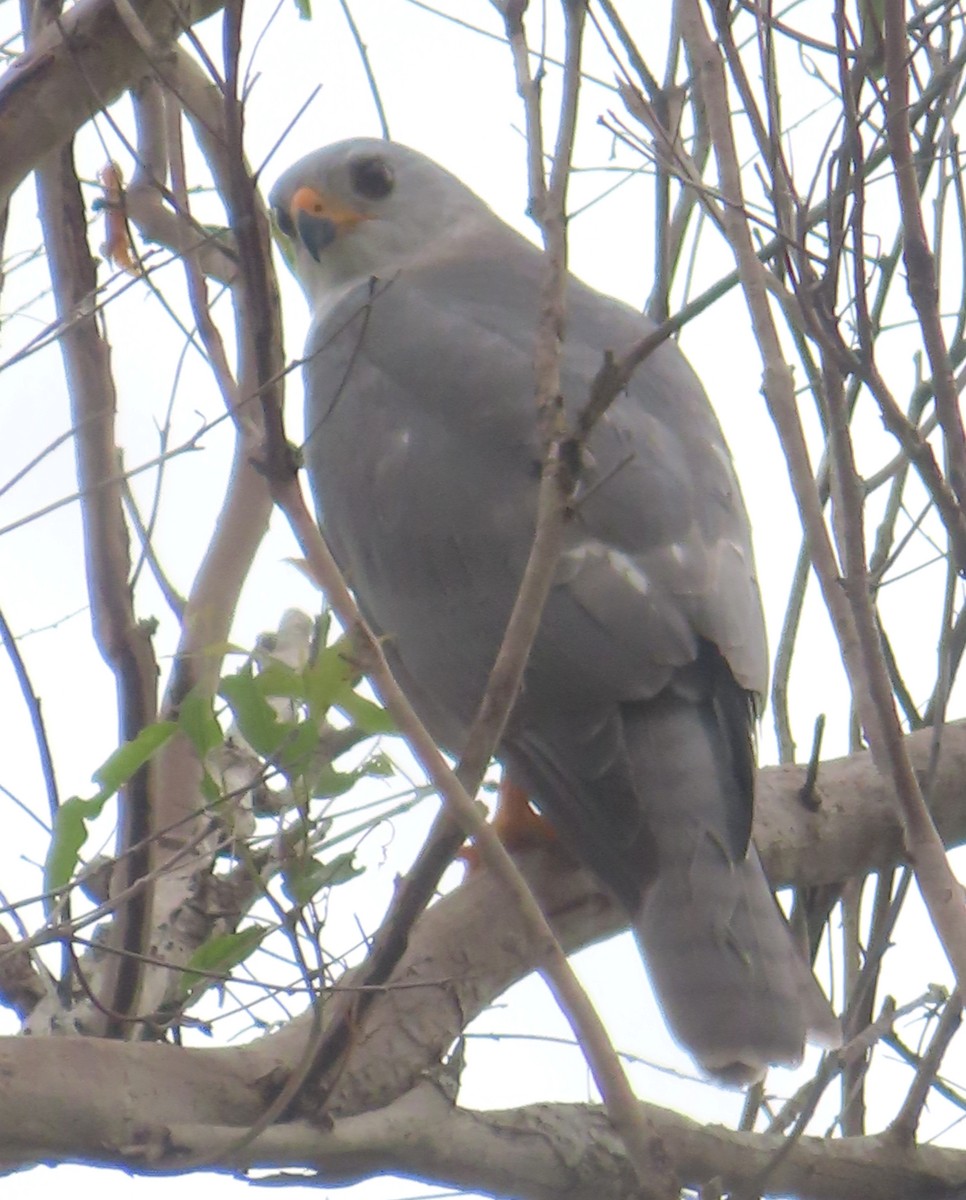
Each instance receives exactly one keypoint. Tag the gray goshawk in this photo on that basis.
(634, 730)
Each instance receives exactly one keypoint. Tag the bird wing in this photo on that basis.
(658, 554)
(422, 433)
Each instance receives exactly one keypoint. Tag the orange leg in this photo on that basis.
(515, 823)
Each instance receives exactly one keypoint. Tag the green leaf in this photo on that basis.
(331, 682)
(196, 720)
(341, 869)
(364, 714)
(70, 833)
(70, 830)
(304, 9)
(304, 878)
(379, 765)
(128, 758)
(277, 679)
(210, 790)
(295, 754)
(218, 955)
(328, 677)
(256, 718)
(329, 783)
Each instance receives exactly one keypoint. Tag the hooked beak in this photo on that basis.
(319, 219)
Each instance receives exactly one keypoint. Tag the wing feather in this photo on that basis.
(659, 554)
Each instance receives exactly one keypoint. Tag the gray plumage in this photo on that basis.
(634, 729)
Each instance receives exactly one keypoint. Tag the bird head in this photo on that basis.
(363, 208)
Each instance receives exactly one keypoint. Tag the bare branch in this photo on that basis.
(903, 1127)
(921, 274)
(74, 68)
(526, 1152)
(124, 643)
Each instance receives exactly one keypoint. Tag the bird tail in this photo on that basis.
(733, 987)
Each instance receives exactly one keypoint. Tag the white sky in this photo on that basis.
(449, 92)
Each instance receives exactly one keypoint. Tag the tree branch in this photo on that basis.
(537, 1152)
(74, 68)
(124, 644)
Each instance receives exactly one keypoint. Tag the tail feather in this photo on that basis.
(655, 797)
(730, 981)
(729, 977)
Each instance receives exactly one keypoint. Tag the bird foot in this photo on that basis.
(515, 823)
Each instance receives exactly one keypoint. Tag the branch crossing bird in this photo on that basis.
(634, 729)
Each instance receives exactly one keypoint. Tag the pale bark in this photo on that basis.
(73, 69)
(536, 1152)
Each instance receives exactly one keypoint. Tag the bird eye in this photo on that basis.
(371, 178)
(283, 221)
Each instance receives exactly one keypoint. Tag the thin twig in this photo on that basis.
(920, 265)
(32, 701)
(367, 67)
(851, 616)
(937, 883)
(906, 1121)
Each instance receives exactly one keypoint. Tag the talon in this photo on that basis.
(516, 823)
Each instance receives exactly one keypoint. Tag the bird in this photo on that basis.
(634, 730)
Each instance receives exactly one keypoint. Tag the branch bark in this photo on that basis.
(124, 643)
(537, 1152)
(75, 67)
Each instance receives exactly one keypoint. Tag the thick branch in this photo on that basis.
(74, 68)
(545, 1151)
(538, 1152)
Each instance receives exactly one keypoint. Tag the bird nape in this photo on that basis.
(634, 729)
